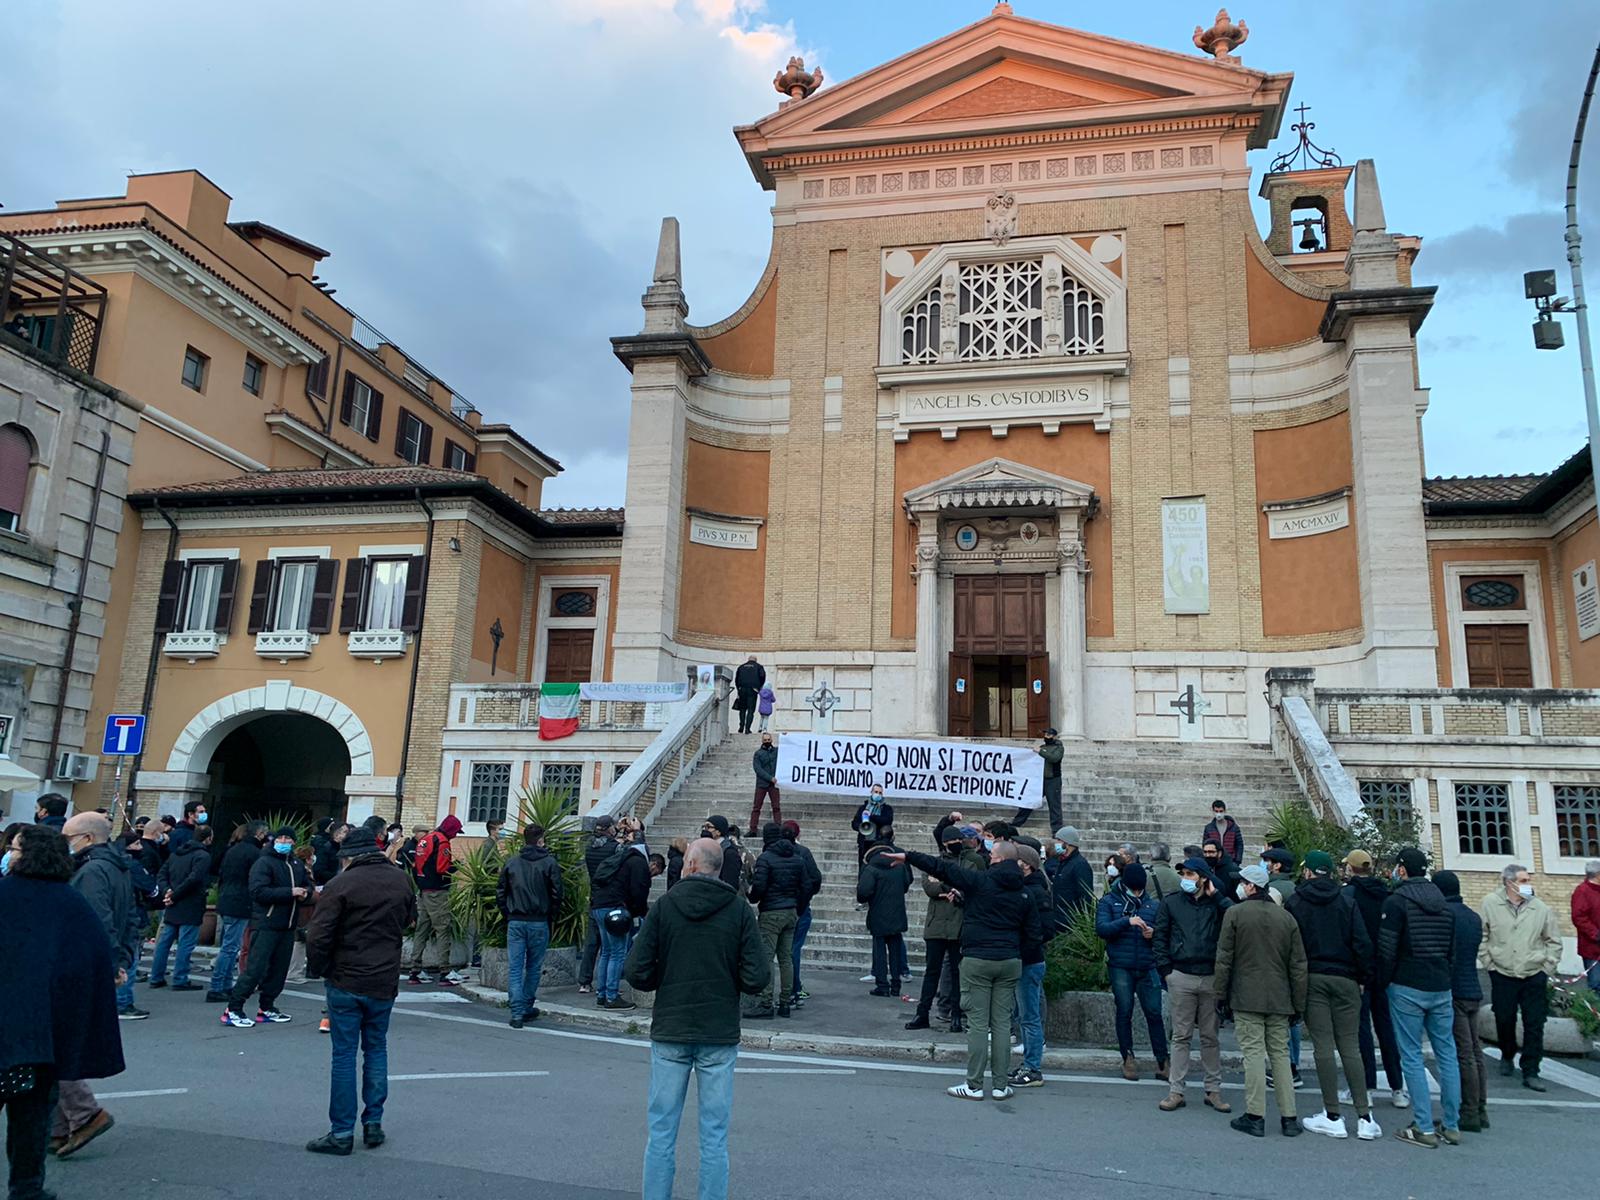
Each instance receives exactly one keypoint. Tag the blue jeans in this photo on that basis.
(125, 992)
(227, 960)
(1294, 1044)
(526, 942)
(1146, 986)
(1591, 970)
(670, 1065)
(1030, 1013)
(608, 965)
(801, 928)
(353, 1020)
(186, 936)
(1412, 1012)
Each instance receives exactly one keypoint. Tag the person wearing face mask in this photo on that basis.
(1113, 870)
(183, 894)
(8, 845)
(50, 810)
(1072, 879)
(1416, 952)
(1188, 924)
(1225, 832)
(1368, 892)
(233, 906)
(1521, 950)
(941, 930)
(873, 822)
(279, 885)
(1126, 922)
(194, 816)
(1261, 974)
(1224, 868)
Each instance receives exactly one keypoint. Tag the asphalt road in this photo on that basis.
(476, 1108)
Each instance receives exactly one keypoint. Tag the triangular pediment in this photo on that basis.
(999, 483)
(1008, 74)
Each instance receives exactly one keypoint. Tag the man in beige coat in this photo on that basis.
(1521, 949)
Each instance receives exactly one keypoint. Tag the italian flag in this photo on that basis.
(558, 710)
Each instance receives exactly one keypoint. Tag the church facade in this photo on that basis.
(1027, 424)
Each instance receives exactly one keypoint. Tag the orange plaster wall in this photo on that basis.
(1441, 552)
(1077, 452)
(1309, 584)
(609, 567)
(501, 580)
(1277, 316)
(747, 348)
(722, 592)
(1579, 545)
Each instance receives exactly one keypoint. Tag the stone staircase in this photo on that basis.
(1112, 791)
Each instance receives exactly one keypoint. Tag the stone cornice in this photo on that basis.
(1412, 303)
(639, 347)
(292, 429)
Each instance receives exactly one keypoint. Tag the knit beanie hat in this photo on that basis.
(1133, 877)
(720, 824)
(1447, 882)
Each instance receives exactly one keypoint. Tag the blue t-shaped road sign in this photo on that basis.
(124, 734)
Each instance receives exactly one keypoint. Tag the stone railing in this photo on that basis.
(1301, 742)
(515, 706)
(1549, 716)
(656, 775)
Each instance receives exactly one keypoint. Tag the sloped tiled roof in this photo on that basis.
(316, 480)
(1482, 488)
(1461, 495)
(580, 516)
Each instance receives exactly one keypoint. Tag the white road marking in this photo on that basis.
(467, 1075)
(794, 1070)
(431, 998)
(949, 1070)
(1578, 1081)
(138, 1095)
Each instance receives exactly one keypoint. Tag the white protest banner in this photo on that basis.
(649, 693)
(922, 772)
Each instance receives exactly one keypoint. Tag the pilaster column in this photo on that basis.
(1069, 666)
(930, 697)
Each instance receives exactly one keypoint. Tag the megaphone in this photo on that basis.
(867, 829)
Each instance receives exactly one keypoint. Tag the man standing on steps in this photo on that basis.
(1051, 750)
(1188, 925)
(999, 917)
(777, 887)
(802, 925)
(941, 929)
(765, 762)
(1224, 831)
(747, 683)
(1521, 950)
(1261, 975)
(699, 951)
(720, 830)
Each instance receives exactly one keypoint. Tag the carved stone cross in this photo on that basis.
(1189, 704)
(823, 700)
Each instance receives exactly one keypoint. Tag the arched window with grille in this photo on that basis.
(16, 471)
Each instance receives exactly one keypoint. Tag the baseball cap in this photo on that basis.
(1256, 874)
(1282, 857)
(971, 831)
(1358, 860)
(1414, 861)
(1319, 862)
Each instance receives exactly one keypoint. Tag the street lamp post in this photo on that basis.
(1539, 286)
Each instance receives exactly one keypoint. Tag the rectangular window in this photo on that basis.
(412, 438)
(457, 458)
(618, 770)
(386, 592)
(317, 378)
(1388, 801)
(201, 591)
(566, 778)
(491, 789)
(1578, 819)
(255, 374)
(360, 407)
(1483, 818)
(291, 608)
(194, 369)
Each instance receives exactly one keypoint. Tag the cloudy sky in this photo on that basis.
(490, 175)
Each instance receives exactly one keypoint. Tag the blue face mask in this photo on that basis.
(201, 818)
(283, 847)
(1266, 866)
(5, 862)
(988, 843)
(1189, 885)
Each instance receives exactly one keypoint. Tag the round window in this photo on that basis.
(1492, 593)
(575, 604)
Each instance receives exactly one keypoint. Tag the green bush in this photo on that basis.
(1301, 830)
(1582, 1005)
(472, 897)
(1075, 959)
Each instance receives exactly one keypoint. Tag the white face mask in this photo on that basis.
(1525, 890)
(1112, 872)
(1240, 892)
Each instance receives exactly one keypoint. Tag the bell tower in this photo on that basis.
(1305, 188)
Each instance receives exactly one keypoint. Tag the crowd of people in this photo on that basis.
(1370, 967)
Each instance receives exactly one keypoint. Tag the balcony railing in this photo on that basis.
(50, 306)
(515, 706)
(192, 644)
(284, 644)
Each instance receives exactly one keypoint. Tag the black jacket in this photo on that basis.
(1334, 932)
(674, 866)
(598, 850)
(732, 864)
(233, 894)
(1368, 895)
(622, 881)
(1187, 928)
(1465, 984)
(529, 887)
(749, 677)
(1417, 938)
(779, 880)
(100, 874)
(273, 878)
(813, 875)
(1072, 884)
(358, 930)
(186, 874)
(1037, 886)
(882, 887)
(698, 951)
(998, 917)
(325, 860)
(765, 764)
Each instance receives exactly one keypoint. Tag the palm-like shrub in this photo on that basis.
(477, 875)
(1075, 959)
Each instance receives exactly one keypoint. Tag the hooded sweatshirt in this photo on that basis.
(882, 888)
(1334, 933)
(1416, 938)
(779, 880)
(998, 916)
(698, 951)
(433, 856)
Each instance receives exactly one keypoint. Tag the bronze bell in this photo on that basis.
(1308, 240)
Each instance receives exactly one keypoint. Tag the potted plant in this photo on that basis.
(208, 923)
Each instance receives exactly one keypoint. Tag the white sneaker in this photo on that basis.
(869, 978)
(1345, 1097)
(235, 1019)
(1016, 1048)
(1001, 1093)
(1402, 1098)
(1323, 1123)
(1369, 1130)
(962, 1092)
(454, 979)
